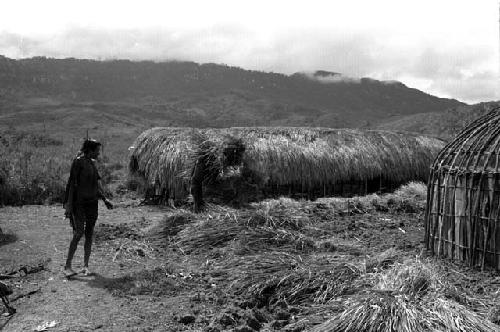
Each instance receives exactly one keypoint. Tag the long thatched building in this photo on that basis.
(305, 162)
(463, 201)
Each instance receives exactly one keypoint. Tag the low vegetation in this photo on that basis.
(32, 170)
(34, 167)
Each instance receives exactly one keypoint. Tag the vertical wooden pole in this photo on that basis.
(428, 207)
(438, 209)
(469, 222)
(491, 189)
(452, 217)
(442, 215)
(460, 194)
(495, 227)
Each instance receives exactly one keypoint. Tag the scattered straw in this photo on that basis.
(381, 261)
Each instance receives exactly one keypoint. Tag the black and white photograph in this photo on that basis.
(217, 166)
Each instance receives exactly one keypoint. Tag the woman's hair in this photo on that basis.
(90, 145)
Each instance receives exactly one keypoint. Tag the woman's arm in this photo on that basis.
(101, 194)
(69, 195)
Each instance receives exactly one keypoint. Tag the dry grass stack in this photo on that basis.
(305, 162)
(247, 230)
(274, 276)
(409, 298)
(163, 158)
(463, 212)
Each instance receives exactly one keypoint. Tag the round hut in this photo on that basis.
(243, 164)
(462, 215)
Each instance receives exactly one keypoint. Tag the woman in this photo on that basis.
(81, 202)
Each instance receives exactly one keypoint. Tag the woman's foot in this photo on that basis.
(86, 271)
(68, 272)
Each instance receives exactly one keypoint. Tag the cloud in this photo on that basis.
(453, 71)
(475, 87)
(448, 69)
(330, 77)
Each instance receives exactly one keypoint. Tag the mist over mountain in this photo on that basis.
(445, 125)
(190, 94)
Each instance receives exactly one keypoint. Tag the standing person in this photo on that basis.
(81, 201)
(197, 177)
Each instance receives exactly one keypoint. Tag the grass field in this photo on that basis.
(35, 163)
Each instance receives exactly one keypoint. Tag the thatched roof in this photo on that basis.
(317, 157)
(164, 158)
(305, 159)
(475, 149)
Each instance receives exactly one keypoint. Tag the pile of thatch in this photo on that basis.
(386, 312)
(409, 298)
(270, 277)
(312, 161)
(248, 231)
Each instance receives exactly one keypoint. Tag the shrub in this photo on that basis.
(34, 168)
(413, 190)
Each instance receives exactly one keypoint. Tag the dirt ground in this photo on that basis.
(82, 303)
(187, 297)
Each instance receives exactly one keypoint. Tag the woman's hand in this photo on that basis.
(108, 204)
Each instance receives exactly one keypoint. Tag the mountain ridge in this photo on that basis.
(216, 95)
(444, 125)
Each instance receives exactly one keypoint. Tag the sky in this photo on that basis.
(448, 48)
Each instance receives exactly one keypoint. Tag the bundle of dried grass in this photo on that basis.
(312, 284)
(253, 229)
(405, 298)
(278, 213)
(206, 235)
(444, 315)
(274, 276)
(379, 312)
(384, 312)
(259, 238)
(412, 278)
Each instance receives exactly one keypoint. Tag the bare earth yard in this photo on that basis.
(150, 279)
